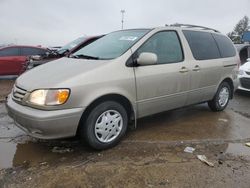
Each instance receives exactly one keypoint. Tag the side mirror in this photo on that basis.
(147, 58)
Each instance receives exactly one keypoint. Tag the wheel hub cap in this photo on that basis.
(108, 126)
(223, 96)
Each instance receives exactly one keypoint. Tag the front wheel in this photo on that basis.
(105, 125)
(221, 98)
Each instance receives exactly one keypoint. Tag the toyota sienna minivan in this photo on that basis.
(124, 76)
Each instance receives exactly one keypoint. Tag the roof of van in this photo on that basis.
(179, 26)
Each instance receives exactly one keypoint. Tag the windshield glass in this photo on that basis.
(71, 45)
(112, 45)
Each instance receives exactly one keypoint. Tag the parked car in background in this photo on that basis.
(13, 59)
(244, 52)
(244, 76)
(66, 50)
(125, 75)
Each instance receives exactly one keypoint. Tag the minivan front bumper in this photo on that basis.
(45, 124)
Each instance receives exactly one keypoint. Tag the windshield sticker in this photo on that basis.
(130, 38)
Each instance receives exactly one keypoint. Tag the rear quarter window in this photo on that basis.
(202, 44)
(225, 45)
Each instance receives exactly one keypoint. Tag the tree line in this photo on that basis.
(239, 29)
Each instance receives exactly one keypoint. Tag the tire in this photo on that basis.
(105, 125)
(221, 98)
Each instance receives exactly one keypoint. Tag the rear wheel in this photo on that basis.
(105, 125)
(221, 98)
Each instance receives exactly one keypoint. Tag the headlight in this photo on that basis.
(241, 72)
(49, 97)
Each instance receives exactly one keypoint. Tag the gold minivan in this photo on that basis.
(123, 76)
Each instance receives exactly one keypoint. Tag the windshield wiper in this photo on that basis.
(82, 56)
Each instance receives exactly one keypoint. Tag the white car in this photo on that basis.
(244, 76)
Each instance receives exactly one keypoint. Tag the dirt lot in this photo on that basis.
(150, 156)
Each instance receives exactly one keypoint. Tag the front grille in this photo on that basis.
(245, 82)
(18, 93)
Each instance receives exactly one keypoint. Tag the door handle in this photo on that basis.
(196, 68)
(183, 70)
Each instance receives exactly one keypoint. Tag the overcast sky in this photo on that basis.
(56, 22)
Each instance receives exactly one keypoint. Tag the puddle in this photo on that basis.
(33, 153)
(16, 148)
(238, 149)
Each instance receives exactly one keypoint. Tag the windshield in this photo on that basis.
(112, 45)
(71, 45)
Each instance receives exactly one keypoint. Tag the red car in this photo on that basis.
(13, 59)
(63, 51)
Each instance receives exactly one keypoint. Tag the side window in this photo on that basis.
(25, 51)
(166, 45)
(225, 46)
(9, 52)
(202, 44)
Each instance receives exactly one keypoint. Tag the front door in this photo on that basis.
(162, 86)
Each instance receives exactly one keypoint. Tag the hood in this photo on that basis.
(245, 66)
(51, 74)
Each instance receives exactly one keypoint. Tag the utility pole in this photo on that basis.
(122, 11)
